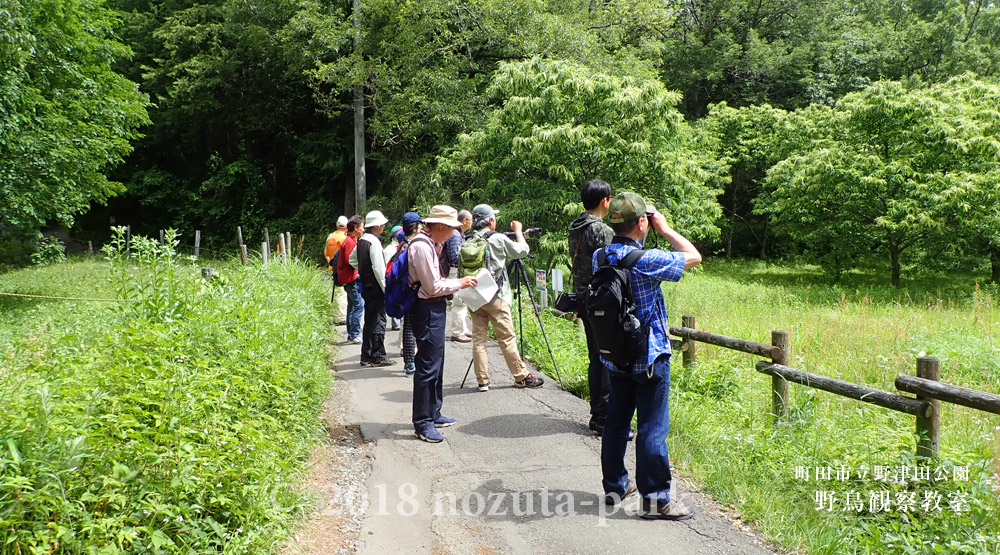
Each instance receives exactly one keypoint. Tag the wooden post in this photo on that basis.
(128, 238)
(207, 273)
(90, 247)
(197, 242)
(239, 232)
(263, 253)
(267, 238)
(243, 251)
(779, 386)
(688, 349)
(161, 236)
(288, 244)
(929, 426)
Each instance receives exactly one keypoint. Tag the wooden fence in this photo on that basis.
(929, 391)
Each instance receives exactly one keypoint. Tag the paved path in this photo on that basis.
(519, 473)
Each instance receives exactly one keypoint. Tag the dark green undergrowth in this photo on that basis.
(176, 424)
(723, 435)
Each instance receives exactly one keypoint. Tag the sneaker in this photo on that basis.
(382, 362)
(530, 382)
(444, 422)
(674, 510)
(613, 498)
(410, 369)
(365, 362)
(356, 340)
(430, 435)
(461, 338)
(484, 386)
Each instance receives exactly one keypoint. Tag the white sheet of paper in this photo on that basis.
(482, 293)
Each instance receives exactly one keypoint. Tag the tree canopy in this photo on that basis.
(67, 115)
(560, 124)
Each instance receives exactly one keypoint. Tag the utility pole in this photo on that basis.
(359, 121)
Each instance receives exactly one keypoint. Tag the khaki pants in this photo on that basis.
(498, 312)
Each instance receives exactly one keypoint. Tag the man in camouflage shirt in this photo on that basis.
(587, 234)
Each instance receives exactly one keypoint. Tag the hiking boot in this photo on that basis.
(444, 422)
(430, 435)
(484, 386)
(613, 498)
(674, 510)
(382, 362)
(530, 382)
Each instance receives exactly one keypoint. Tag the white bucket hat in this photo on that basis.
(375, 219)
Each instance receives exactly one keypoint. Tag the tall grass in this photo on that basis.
(864, 332)
(174, 424)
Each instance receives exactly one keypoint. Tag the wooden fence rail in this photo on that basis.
(926, 385)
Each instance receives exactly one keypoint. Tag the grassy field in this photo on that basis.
(176, 424)
(861, 331)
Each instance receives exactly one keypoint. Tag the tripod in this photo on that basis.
(516, 269)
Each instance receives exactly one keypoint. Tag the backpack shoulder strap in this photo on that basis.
(631, 258)
(602, 257)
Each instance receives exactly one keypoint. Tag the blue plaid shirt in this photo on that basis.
(651, 268)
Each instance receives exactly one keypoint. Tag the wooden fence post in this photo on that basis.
(779, 385)
(263, 253)
(239, 233)
(688, 349)
(197, 242)
(161, 237)
(90, 247)
(243, 252)
(267, 238)
(929, 426)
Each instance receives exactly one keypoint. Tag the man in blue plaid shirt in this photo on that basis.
(645, 385)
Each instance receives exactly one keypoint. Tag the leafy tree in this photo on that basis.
(560, 124)
(67, 116)
(237, 135)
(426, 67)
(750, 140)
(886, 170)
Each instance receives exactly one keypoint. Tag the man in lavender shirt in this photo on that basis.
(429, 319)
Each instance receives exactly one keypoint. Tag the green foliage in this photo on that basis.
(561, 124)
(159, 428)
(50, 250)
(885, 170)
(68, 116)
(861, 330)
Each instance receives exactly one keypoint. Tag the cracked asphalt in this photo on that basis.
(519, 473)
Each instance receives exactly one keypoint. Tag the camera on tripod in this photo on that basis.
(531, 232)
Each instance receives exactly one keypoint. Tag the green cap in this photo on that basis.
(626, 207)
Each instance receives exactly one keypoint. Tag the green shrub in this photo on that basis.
(172, 424)
(49, 250)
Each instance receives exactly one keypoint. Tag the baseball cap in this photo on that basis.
(626, 207)
(396, 228)
(483, 212)
(411, 217)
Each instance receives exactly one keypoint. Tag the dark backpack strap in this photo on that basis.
(631, 258)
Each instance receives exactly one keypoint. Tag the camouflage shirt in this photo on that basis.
(587, 233)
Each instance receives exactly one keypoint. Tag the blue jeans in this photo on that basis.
(649, 397)
(355, 308)
(428, 394)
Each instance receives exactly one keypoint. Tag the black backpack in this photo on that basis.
(611, 311)
(333, 266)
